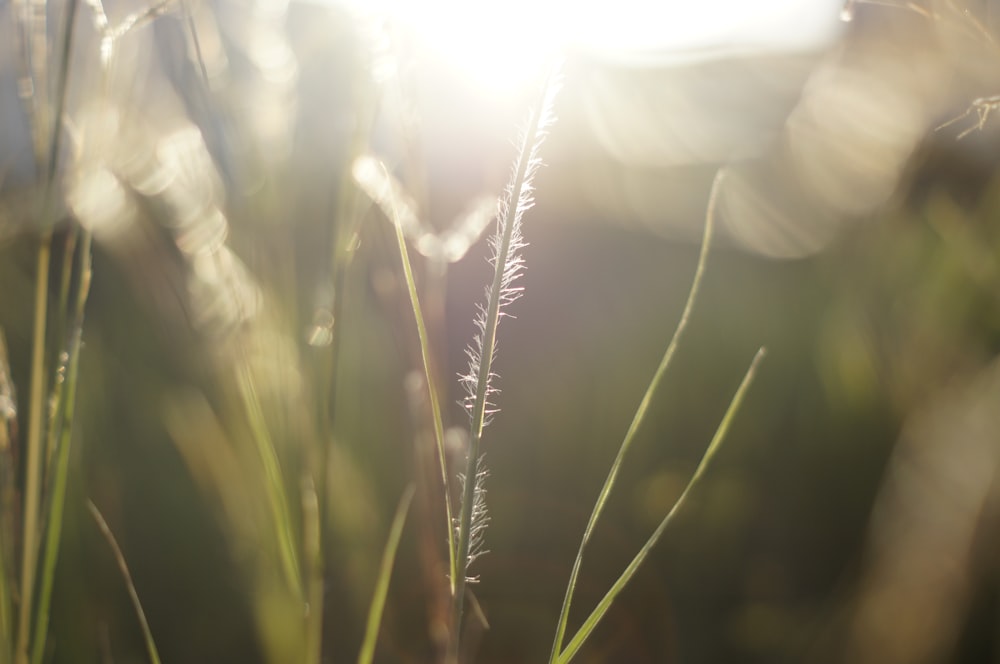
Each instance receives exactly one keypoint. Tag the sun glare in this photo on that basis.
(497, 46)
(501, 46)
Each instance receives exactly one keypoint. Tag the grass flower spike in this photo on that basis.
(508, 264)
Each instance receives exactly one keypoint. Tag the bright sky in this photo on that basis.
(500, 44)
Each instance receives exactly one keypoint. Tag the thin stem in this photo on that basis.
(35, 21)
(435, 404)
(147, 634)
(312, 548)
(61, 421)
(508, 225)
(59, 329)
(384, 575)
(33, 467)
(720, 433)
(274, 484)
(8, 504)
(639, 416)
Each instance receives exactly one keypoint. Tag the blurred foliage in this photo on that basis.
(228, 236)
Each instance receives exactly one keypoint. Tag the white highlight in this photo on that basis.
(503, 45)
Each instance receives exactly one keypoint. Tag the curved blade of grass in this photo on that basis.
(720, 433)
(147, 635)
(384, 575)
(425, 356)
(61, 428)
(640, 414)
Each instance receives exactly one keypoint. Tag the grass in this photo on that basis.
(559, 654)
(508, 263)
(147, 634)
(257, 439)
(385, 573)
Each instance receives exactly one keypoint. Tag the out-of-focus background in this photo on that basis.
(851, 516)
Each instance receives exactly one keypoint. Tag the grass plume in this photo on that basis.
(508, 264)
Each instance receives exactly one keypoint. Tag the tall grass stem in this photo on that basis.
(33, 463)
(62, 422)
(602, 607)
(36, 407)
(640, 414)
(274, 484)
(312, 547)
(384, 576)
(147, 634)
(429, 376)
(506, 266)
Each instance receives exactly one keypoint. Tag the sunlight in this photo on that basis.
(498, 47)
(502, 46)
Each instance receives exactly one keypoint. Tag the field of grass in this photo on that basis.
(312, 353)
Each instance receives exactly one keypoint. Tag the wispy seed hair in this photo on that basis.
(512, 263)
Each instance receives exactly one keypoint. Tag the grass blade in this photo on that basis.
(61, 329)
(429, 376)
(62, 422)
(8, 502)
(277, 496)
(313, 551)
(147, 635)
(33, 467)
(384, 575)
(640, 414)
(36, 407)
(602, 607)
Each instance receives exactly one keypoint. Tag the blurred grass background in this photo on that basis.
(775, 557)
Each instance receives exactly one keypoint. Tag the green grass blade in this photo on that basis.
(36, 407)
(429, 376)
(147, 635)
(274, 484)
(60, 329)
(33, 467)
(384, 575)
(62, 422)
(312, 547)
(639, 416)
(602, 607)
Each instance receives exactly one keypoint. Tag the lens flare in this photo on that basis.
(503, 46)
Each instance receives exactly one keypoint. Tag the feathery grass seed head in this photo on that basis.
(480, 516)
(508, 264)
(506, 258)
